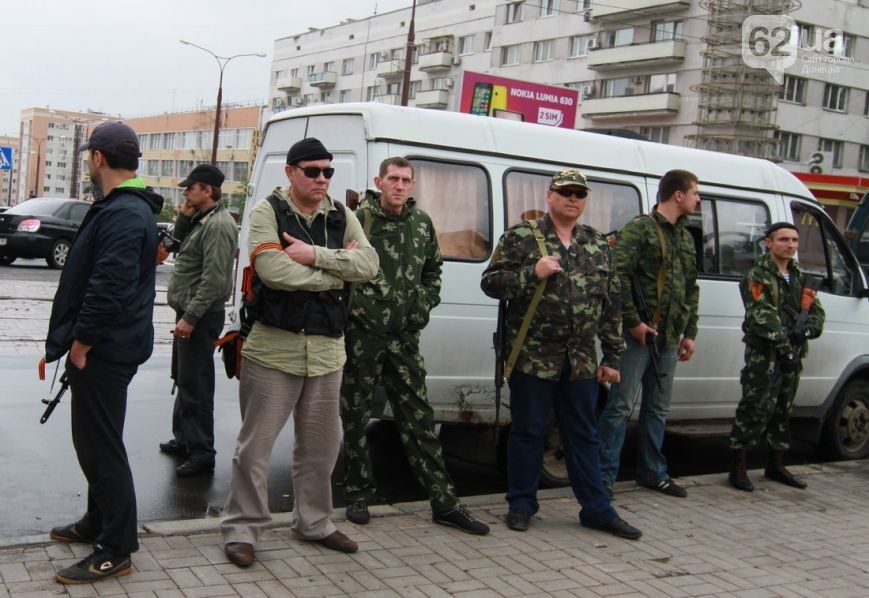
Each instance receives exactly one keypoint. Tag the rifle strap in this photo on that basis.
(532, 306)
(656, 317)
(366, 230)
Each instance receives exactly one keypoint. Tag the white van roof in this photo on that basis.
(557, 146)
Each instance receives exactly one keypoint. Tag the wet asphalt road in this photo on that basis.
(42, 485)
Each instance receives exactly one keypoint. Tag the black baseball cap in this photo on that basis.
(204, 173)
(113, 137)
(778, 226)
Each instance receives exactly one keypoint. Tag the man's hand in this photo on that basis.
(686, 349)
(186, 209)
(546, 267)
(299, 251)
(78, 354)
(605, 374)
(640, 331)
(352, 245)
(183, 329)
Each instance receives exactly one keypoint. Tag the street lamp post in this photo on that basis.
(39, 141)
(408, 57)
(222, 61)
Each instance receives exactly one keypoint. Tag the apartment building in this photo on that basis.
(670, 70)
(9, 178)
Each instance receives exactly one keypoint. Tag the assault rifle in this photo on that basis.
(646, 317)
(499, 340)
(798, 332)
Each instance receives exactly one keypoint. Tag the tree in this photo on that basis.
(168, 213)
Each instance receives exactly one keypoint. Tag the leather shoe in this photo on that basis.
(338, 541)
(173, 447)
(240, 553)
(192, 468)
(518, 520)
(617, 527)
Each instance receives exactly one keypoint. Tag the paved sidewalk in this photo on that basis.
(777, 541)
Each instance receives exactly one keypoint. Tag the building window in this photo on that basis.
(509, 55)
(841, 45)
(393, 89)
(239, 171)
(347, 66)
(579, 45)
(863, 164)
(442, 83)
(835, 97)
(329, 67)
(789, 146)
(167, 167)
(370, 93)
(415, 86)
(666, 30)
(294, 72)
(658, 83)
(373, 60)
(466, 45)
(514, 12)
(543, 50)
(487, 41)
(832, 146)
(326, 97)
(805, 35)
(548, 7)
(344, 96)
(618, 37)
(656, 134)
(793, 90)
(168, 141)
(311, 69)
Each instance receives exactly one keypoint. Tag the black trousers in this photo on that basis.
(98, 407)
(193, 414)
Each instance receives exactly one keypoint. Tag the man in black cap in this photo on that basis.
(200, 284)
(311, 247)
(102, 316)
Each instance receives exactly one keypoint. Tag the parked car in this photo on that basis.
(41, 227)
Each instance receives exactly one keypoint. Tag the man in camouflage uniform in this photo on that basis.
(655, 252)
(382, 336)
(775, 343)
(557, 366)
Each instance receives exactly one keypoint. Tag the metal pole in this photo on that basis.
(38, 160)
(73, 190)
(408, 57)
(217, 116)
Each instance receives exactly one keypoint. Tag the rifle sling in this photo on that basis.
(656, 317)
(532, 307)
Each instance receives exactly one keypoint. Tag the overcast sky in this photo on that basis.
(123, 57)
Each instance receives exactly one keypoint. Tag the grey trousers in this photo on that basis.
(267, 398)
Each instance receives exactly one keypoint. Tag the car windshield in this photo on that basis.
(36, 207)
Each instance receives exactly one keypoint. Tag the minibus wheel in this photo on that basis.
(846, 428)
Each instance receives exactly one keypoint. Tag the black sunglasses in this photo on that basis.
(312, 172)
(580, 194)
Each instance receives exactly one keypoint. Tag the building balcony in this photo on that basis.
(432, 98)
(653, 104)
(323, 80)
(436, 61)
(393, 99)
(618, 10)
(289, 85)
(390, 69)
(639, 55)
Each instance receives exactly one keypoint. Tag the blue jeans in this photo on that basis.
(531, 400)
(636, 373)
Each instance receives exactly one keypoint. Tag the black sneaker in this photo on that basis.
(173, 447)
(518, 520)
(617, 527)
(668, 487)
(71, 533)
(608, 488)
(96, 566)
(192, 467)
(462, 519)
(358, 512)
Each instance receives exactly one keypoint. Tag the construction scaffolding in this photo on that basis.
(737, 105)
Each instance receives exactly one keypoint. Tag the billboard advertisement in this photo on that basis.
(487, 95)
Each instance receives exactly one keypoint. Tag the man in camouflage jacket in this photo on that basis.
(557, 365)
(382, 339)
(657, 252)
(775, 344)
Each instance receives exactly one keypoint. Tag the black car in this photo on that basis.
(42, 227)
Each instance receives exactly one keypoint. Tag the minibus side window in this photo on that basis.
(821, 250)
(609, 206)
(727, 235)
(458, 199)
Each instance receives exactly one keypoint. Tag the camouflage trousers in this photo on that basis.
(393, 361)
(765, 408)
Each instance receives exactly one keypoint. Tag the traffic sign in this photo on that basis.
(5, 158)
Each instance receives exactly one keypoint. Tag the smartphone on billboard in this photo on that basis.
(482, 99)
(499, 99)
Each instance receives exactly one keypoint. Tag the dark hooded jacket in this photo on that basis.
(105, 297)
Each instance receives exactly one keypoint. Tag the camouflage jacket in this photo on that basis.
(771, 303)
(408, 284)
(578, 304)
(638, 253)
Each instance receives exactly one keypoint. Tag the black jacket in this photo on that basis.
(105, 297)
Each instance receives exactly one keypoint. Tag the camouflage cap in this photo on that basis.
(568, 178)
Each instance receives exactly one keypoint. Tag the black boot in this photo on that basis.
(776, 470)
(739, 472)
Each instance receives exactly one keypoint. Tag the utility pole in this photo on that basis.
(408, 57)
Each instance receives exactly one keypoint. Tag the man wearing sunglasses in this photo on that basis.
(292, 359)
(656, 260)
(556, 364)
